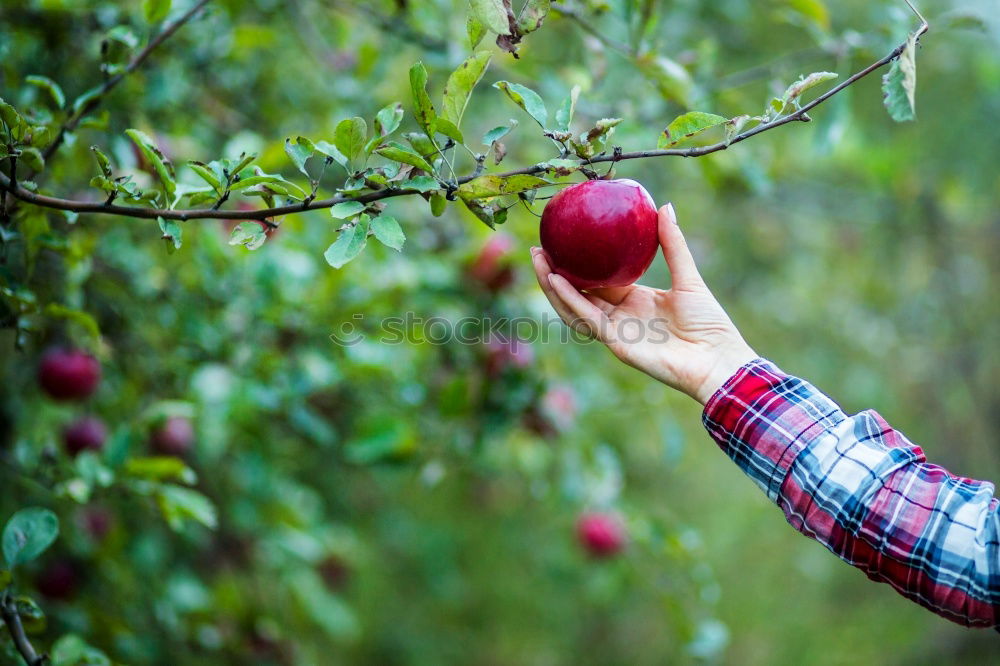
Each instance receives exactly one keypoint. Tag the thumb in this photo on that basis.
(683, 271)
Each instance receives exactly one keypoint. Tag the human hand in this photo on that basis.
(680, 336)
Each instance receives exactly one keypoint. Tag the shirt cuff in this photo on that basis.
(762, 419)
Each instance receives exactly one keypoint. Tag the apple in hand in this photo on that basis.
(600, 233)
(68, 374)
(173, 437)
(601, 534)
(88, 433)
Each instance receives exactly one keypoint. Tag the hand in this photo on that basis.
(680, 336)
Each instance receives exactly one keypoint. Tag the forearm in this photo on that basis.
(864, 491)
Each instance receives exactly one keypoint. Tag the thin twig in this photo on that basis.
(8, 609)
(75, 118)
(195, 214)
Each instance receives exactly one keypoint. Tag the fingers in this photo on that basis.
(583, 309)
(542, 271)
(683, 271)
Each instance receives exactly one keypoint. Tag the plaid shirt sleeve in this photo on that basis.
(864, 491)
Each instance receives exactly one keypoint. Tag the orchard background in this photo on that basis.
(417, 503)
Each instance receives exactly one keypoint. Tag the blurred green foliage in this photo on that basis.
(414, 503)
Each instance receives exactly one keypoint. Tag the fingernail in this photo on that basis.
(673, 215)
(552, 279)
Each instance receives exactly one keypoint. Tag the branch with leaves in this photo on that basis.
(425, 164)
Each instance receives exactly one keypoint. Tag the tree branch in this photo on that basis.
(8, 610)
(800, 114)
(74, 119)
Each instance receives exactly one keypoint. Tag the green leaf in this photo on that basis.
(171, 233)
(155, 10)
(71, 650)
(27, 534)
(564, 116)
(735, 125)
(400, 153)
(249, 234)
(532, 15)
(899, 85)
(160, 468)
(50, 86)
(421, 143)
(459, 87)
(449, 129)
(423, 109)
(421, 184)
(387, 120)
(562, 167)
(33, 158)
(349, 138)
(346, 209)
(438, 204)
(388, 231)
(794, 91)
(102, 161)
(671, 79)
(328, 611)
(475, 29)
(331, 151)
(686, 126)
(349, 245)
(81, 318)
(814, 10)
(179, 505)
(486, 214)
(527, 99)
(206, 174)
(161, 165)
(498, 133)
(492, 14)
(493, 186)
(274, 182)
(299, 152)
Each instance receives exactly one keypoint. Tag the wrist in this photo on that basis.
(726, 364)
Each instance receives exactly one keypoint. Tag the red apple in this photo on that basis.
(601, 534)
(86, 433)
(601, 233)
(555, 412)
(492, 267)
(68, 374)
(173, 437)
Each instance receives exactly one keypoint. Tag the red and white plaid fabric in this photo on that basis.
(864, 491)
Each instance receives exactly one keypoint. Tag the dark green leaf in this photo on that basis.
(421, 143)
(438, 204)
(420, 184)
(349, 244)
(33, 158)
(423, 109)
(206, 174)
(532, 15)
(27, 534)
(71, 650)
(102, 161)
(161, 165)
(388, 231)
(50, 86)
(446, 127)
(527, 99)
(498, 133)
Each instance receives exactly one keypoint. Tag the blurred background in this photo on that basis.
(417, 503)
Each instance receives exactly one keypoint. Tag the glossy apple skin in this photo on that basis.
(68, 374)
(600, 233)
(88, 433)
(601, 534)
(173, 437)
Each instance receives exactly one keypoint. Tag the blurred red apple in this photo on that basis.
(492, 267)
(503, 352)
(554, 413)
(96, 521)
(59, 580)
(601, 534)
(601, 233)
(173, 437)
(86, 433)
(68, 374)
